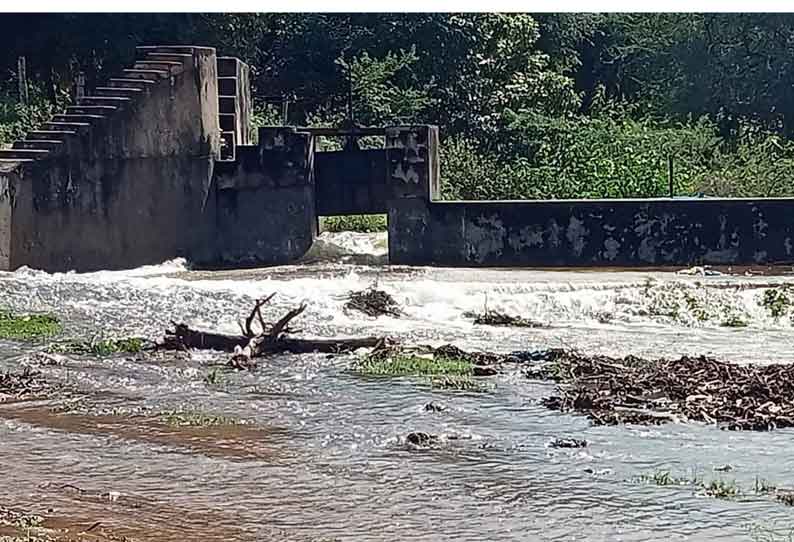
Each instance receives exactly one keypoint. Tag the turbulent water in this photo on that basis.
(325, 456)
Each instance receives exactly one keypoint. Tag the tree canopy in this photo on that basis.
(520, 91)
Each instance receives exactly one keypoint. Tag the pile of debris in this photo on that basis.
(28, 382)
(633, 390)
(496, 318)
(373, 302)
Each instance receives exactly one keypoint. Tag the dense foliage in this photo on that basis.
(530, 106)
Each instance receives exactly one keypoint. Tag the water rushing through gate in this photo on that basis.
(324, 457)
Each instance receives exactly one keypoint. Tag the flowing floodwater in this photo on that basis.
(324, 456)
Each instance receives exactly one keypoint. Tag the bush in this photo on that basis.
(537, 157)
(17, 119)
(359, 223)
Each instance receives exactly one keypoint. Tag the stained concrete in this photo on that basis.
(128, 190)
(592, 233)
(265, 201)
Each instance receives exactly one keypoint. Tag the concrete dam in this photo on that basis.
(160, 163)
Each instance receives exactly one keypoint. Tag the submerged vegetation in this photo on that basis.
(28, 327)
(777, 301)
(718, 488)
(191, 418)
(693, 305)
(100, 347)
(414, 365)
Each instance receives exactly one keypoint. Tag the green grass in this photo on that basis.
(665, 478)
(410, 365)
(358, 223)
(104, 347)
(197, 419)
(28, 327)
(458, 383)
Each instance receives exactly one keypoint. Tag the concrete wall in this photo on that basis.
(265, 201)
(646, 232)
(592, 233)
(132, 189)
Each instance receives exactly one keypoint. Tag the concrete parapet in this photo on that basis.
(590, 233)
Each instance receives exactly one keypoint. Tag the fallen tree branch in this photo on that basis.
(272, 339)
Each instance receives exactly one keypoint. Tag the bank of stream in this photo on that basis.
(176, 445)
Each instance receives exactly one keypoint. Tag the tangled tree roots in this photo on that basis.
(632, 390)
(373, 302)
(271, 338)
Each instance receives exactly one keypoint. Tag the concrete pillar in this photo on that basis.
(266, 207)
(287, 156)
(412, 154)
(413, 181)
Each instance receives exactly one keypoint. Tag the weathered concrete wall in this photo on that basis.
(129, 190)
(647, 232)
(6, 205)
(265, 200)
(351, 182)
(593, 233)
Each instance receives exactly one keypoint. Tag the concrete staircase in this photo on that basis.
(155, 65)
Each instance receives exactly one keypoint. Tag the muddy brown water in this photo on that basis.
(324, 458)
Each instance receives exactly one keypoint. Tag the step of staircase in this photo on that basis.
(185, 59)
(46, 144)
(72, 126)
(119, 82)
(14, 161)
(151, 75)
(90, 109)
(143, 50)
(33, 154)
(159, 65)
(79, 118)
(117, 101)
(118, 91)
(60, 135)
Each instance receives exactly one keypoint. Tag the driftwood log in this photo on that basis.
(269, 339)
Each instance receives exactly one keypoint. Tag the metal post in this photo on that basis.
(80, 86)
(23, 81)
(670, 173)
(284, 109)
